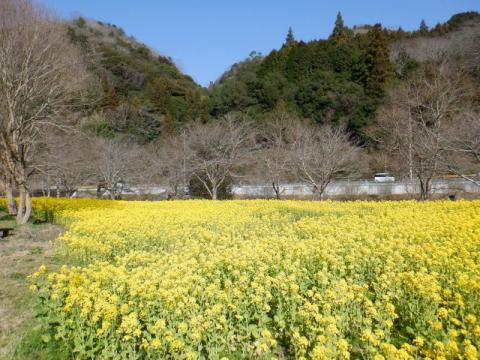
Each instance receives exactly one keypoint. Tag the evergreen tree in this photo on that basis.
(377, 62)
(339, 31)
(423, 27)
(290, 38)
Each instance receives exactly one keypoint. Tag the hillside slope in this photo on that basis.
(142, 92)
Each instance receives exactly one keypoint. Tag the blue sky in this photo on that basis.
(205, 37)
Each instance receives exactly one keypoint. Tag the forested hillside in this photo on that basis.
(141, 93)
(341, 79)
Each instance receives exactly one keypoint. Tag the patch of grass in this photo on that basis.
(8, 217)
(36, 250)
(43, 216)
(8, 223)
(33, 346)
(21, 254)
(17, 276)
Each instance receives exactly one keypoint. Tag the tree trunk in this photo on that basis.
(49, 190)
(323, 187)
(424, 189)
(214, 193)
(113, 192)
(276, 188)
(28, 208)
(11, 204)
(25, 206)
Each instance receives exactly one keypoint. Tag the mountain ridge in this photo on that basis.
(145, 95)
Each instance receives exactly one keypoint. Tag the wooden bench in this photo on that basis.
(5, 231)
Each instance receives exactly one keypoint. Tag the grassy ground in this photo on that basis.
(20, 255)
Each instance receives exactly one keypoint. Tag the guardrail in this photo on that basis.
(338, 187)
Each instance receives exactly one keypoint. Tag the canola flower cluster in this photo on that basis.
(265, 280)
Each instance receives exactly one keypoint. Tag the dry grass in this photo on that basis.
(20, 255)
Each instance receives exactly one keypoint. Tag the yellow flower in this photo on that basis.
(471, 352)
(326, 277)
(156, 343)
(419, 341)
(182, 327)
(442, 313)
(471, 319)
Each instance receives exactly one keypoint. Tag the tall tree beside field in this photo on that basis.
(216, 149)
(274, 160)
(41, 78)
(415, 127)
(169, 160)
(321, 153)
(116, 163)
(66, 163)
(8, 186)
(464, 145)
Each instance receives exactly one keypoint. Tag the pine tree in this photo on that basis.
(377, 62)
(339, 31)
(423, 27)
(290, 38)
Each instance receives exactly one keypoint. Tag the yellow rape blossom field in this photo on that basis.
(265, 280)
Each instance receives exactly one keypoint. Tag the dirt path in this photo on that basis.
(20, 255)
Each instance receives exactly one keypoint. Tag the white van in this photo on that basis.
(383, 177)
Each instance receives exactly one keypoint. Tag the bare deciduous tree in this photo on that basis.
(8, 186)
(469, 47)
(321, 153)
(67, 162)
(276, 155)
(116, 163)
(414, 127)
(169, 160)
(216, 149)
(41, 77)
(464, 145)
